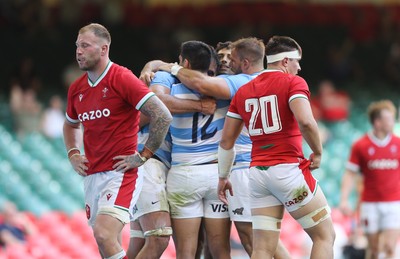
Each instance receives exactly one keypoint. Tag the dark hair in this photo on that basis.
(279, 44)
(197, 53)
(223, 45)
(214, 58)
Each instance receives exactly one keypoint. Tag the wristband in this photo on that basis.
(143, 158)
(225, 161)
(72, 149)
(75, 154)
(175, 69)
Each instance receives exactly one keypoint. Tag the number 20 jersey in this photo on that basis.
(263, 105)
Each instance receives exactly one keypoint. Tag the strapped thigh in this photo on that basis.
(314, 218)
(266, 223)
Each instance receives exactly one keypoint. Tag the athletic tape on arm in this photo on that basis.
(225, 161)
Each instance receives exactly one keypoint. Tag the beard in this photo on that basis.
(88, 64)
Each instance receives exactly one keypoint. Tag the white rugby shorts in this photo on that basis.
(153, 196)
(113, 193)
(192, 192)
(239, 203)
(377, 216)
(282, 184)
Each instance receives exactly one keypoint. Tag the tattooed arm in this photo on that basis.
(160, 118)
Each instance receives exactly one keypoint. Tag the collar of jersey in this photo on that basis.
(272, 70)
(95, 83)
(380, 142)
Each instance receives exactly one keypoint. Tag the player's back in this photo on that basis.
(195, 136)
(263, 104)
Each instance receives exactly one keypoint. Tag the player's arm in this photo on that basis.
(159, 121)
(147, 73)
(215, 87)
(206, 105)
(309, 128)
(348, 180)
(226, 155)
(144, 120)
(72, 139)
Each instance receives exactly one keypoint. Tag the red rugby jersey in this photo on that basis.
(263, 105)
(109, 112)
(378, 161)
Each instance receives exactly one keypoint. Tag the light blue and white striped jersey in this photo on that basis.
(164, 152)
(196, 136)
(243, 143)
(164, 78)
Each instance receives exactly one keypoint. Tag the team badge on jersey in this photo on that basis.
(393, 149)
(371, 151)
(105, 90)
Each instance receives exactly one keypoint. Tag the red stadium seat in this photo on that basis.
(17, 251)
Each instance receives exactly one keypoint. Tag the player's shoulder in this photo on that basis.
(362, 141)
(114, 67)
(162, 77)
(82, 79)
(161, 73)
(396, 138)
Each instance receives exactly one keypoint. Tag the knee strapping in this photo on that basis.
(120, 255)
(314, 218)
(137, 234)
(160, 232)
(266, 223)
(117, 213)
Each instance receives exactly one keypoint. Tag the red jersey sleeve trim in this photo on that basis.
(295, 96)
(352, 167)
(234, 115)
(70, 119)
(144, 100)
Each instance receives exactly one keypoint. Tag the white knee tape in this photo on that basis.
(120, 214)
(160, 232)
(120, 255)
(266, 223)
(314, 218)
(137, 234)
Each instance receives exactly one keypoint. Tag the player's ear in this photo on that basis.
(246, 63)
(186, 63)
(104, 49)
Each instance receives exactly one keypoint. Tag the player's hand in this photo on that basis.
(78, 163)
(315, 161)
(345, 208)
(208, 105)
(146, 77)
(224, 185)
(126, 163)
